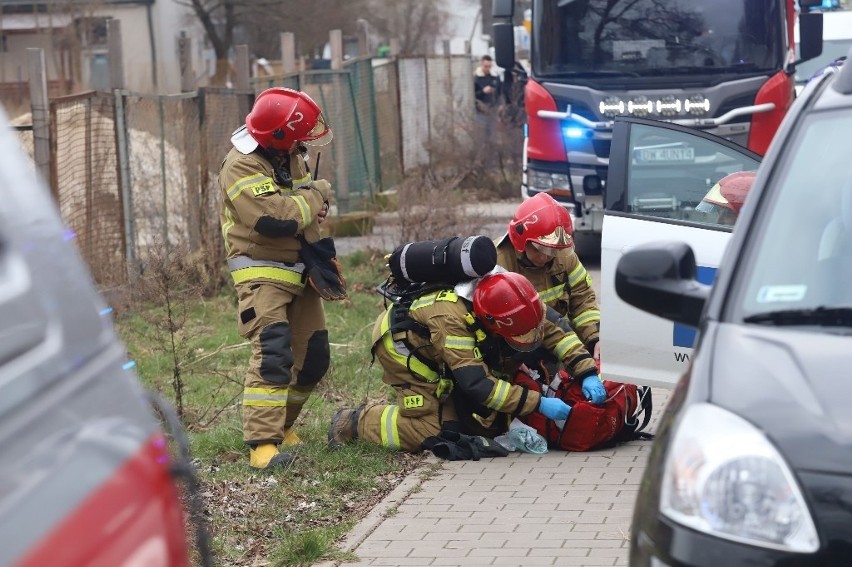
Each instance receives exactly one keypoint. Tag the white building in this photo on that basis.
(74, 38)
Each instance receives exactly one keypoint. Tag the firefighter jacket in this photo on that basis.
(262, 217)
(439, 337)
(563, 284)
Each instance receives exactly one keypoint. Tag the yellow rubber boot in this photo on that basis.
(267, 456)
(290, 438)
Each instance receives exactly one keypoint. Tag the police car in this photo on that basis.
(659, 177)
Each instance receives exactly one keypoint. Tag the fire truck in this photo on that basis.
(726, 67)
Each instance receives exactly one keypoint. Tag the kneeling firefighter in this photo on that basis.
(281, 266)
(445, 354)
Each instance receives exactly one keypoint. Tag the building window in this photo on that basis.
(92, 32)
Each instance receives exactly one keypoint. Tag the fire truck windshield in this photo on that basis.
(632, 39)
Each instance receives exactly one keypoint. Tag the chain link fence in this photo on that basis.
(85, 180)
(135, 174)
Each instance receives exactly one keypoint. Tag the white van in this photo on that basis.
(836, 42)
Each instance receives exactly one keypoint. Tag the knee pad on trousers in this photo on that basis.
(276, 354)
(317, 358)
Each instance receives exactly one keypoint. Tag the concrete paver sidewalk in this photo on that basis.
(554, 509)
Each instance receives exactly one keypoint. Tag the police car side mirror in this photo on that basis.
(659, 278)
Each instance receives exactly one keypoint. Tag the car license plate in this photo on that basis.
(666, 154)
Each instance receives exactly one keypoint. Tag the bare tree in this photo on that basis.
(309, 20)
(417, 24)
(221, 19)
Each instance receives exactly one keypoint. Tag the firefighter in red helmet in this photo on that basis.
(281, 266)
(449, 355)
(539, 245)
(723, 201)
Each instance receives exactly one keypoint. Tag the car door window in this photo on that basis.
(670, 171)
(802, 257)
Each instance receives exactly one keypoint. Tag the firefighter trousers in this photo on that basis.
(289, 355)
(416, 415)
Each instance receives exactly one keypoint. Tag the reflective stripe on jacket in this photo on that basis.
(244, 269)
(452, 344)
(261, 219)
(563, 284)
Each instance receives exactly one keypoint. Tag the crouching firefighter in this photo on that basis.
(540, 246)
(281, 267)
(444, 355)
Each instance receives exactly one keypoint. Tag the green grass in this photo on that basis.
(296, 515)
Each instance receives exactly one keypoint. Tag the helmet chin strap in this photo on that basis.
(526, 263)
(281, 163)
(280, 166)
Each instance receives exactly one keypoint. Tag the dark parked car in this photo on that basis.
(753, 459)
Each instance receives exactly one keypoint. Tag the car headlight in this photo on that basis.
(723, 477)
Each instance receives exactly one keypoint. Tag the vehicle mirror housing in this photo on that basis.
(504, 44)
(659, 278)
(810, 36)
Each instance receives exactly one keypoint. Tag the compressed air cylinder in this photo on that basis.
(447, 261)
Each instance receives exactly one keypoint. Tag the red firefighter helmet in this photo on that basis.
(279, 120)
(729, 193)
(542, 221)
(509, 306)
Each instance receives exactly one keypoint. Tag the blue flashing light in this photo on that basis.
(573, 132)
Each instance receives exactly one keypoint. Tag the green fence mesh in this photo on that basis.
(134, 173)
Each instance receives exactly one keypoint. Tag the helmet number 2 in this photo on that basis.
(299, 117)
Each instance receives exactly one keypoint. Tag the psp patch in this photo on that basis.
(263, 188)
(411, 402)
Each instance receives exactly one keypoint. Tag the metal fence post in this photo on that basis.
(162, 116)
(187, 73)
(124, 178)
(116, 57)
(335, 40)
(40, 111)
(243, 79)
(288, 52)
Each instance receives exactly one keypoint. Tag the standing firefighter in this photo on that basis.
(539, 245)
(449, 360)
(282, 268)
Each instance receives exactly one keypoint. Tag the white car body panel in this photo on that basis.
(660, 173)
(638, 347)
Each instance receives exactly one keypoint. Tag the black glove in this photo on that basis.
(323, 270)
(454, 446)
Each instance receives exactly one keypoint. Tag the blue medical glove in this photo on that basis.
(594, 389)
(554, 408)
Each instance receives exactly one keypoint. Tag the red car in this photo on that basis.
(86, 474)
